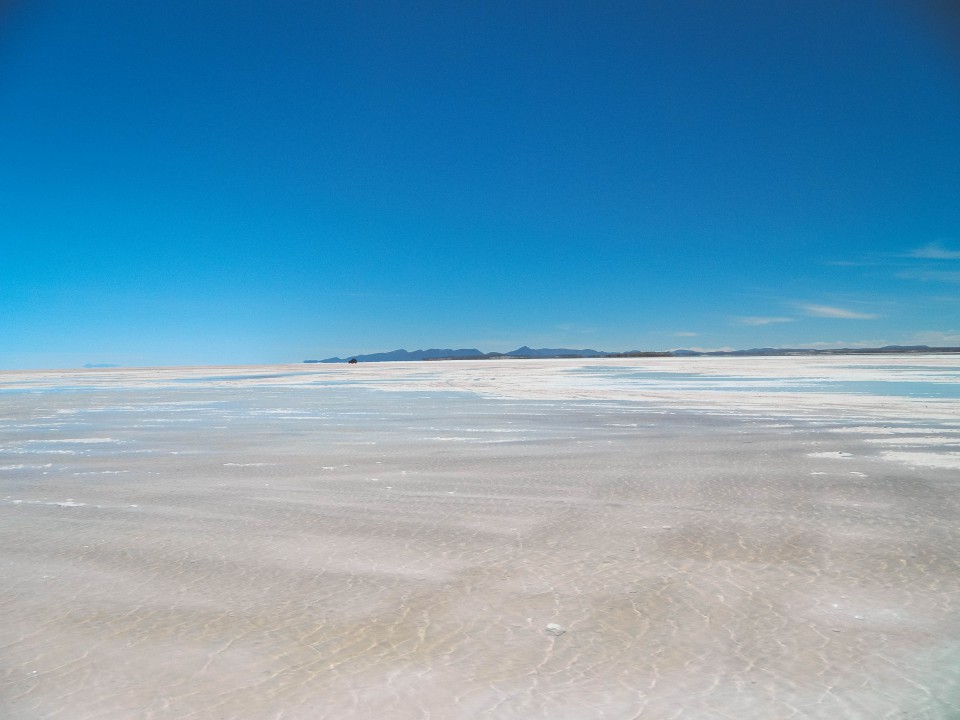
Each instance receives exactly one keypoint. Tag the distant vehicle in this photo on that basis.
(352, 361)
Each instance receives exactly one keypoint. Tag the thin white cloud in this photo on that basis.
(836, 344)
(685, 334)
(760, 320)
(845, 263)
(936, 338)
(947, 276)
(827, 311)
(934, 251)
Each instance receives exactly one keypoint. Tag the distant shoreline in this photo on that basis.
(526, 353)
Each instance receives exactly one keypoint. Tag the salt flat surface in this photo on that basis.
(655, 538)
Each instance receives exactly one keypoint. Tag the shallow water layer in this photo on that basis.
(888, 387)
(266, 551)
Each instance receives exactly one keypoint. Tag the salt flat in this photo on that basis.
(704, 537)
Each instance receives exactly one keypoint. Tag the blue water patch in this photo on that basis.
(713, 381)
(227, 378)
(951, 369)
(54, 390)
(898, 388)
(744, 383)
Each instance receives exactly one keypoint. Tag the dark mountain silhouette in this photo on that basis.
(401, 355)
(528, 352)
(553, 352)
(464, 354)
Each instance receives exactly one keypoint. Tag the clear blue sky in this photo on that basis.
(190, 181)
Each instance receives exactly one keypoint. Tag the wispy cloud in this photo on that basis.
(937, 338)
(934, 251)
(947, 276)
(760, 320)
(685, 334)
(833, 344)
(828, 311)
(846, 263)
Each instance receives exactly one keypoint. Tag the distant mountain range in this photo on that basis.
(464, 354)
(527, 352)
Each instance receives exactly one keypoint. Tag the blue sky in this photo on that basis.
(200, 182)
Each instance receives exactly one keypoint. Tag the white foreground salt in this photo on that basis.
(655, 538)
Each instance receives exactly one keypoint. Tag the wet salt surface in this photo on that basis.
(614, 558)
(921, 381)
